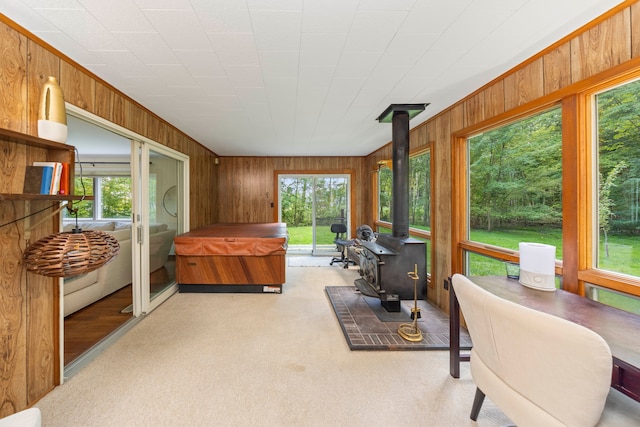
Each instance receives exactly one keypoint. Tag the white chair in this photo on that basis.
(28, 418)
(540, 370)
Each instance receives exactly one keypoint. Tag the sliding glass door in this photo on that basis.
(309, 204)
(160, 216)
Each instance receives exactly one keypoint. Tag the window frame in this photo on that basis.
(576, 267)
(416, 232)
(462, 246)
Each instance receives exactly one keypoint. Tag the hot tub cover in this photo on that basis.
(250, 239)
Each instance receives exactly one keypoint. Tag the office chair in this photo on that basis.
(341, 244)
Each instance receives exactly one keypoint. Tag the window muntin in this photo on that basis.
(515, 183)
(618, 179)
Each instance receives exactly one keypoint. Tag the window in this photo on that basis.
(385, 184)
(419, 198)
(112, 197)
(515, 186)
(618, 177)
(420, 191)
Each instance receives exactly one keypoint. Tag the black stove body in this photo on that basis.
(385, 264)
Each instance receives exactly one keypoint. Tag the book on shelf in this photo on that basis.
(64, 179)
(33, 178)
(53, 181)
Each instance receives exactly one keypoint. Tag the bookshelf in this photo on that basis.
(18, 150)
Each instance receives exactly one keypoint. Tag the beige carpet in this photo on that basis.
(261, 360)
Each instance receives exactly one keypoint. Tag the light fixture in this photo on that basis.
(71, 253)
(412, 109)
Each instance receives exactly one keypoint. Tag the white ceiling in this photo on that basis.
(297, 77)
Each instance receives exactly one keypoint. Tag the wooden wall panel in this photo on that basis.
(441, 218)
(635, 30)
(494, 100)
(455, 120)
(135, 118)
(524, 86)
(602, 47)
(78, 87)
(13, 90)
(110, 104)
(474, 109)
(13, 314)
(556, 64)
(42, 313)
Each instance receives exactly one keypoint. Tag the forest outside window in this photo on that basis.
(618, 173)
(419, 198)
(515, 187)
(419, 191)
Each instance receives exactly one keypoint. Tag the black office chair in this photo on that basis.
(341, 245)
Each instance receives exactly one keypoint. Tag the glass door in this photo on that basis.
(162, 215)
(331, 206)
(309, 204)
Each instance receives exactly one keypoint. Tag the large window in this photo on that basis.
(618, 169)
(515, 186)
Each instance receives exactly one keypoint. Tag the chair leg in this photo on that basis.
(477, 404)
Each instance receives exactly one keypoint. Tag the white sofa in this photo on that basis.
(85, 289)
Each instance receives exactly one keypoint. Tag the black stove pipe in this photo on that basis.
(400, 194)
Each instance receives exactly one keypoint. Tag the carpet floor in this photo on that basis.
(369, 326)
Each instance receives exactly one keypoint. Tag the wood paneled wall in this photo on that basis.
(608, 46)
(246, 185)
(28, 302)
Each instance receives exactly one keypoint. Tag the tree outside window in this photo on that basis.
(515, 185)
(618, 147)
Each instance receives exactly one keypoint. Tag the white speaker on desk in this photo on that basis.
(537, 266)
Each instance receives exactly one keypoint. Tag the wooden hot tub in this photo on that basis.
(232, 258)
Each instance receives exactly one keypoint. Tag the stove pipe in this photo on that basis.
(400, 194)
(399, 116)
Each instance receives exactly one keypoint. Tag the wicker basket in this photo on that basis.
(71, 253)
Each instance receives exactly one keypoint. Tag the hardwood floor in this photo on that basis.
(88, 326)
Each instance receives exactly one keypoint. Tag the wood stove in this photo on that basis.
(385, 263)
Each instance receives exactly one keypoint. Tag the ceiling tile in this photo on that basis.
(180, 29)
(201, 63)
(276, 21)
(307, 77)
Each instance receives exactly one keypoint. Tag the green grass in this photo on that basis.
(304, 235)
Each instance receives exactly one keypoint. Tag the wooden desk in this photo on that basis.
(620, 329)
(240, 257)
